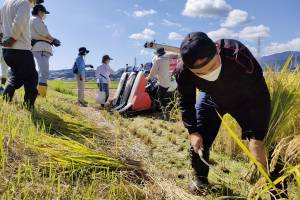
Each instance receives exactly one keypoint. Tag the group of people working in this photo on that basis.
(23, 39)
(227, 74)
(103, 73)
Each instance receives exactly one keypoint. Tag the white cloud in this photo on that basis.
(169, 23)
(236, 17)
(175, 36)
(252, 33)
(143, 13)
(292, 45)
(150, 24)
(147, 34)
(206, 8)
(222, 33)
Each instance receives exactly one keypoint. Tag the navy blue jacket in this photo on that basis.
(241, 83)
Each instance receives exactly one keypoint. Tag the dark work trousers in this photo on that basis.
(23, 73)
(163, 101)
(209, 122)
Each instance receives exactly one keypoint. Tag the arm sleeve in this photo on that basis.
(98, 73)
(187, 101)
(154, 69)
(20, 22)
(40, 28)
(111, 71)
(1, 30)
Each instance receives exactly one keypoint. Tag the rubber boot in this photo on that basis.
(8, 93)
(1, 89)
(29, 100)
(3, 81)
(42, 90)
(200, 182)
(165, 114)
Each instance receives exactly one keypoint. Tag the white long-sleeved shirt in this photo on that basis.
(161, 69)
(15, 17)
(39, 31)
(1, 29)
(103, 72)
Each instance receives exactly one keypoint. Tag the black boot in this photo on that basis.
(29, 100)
(3, 81)
(200, 182)
(165, 114)
(8, 93)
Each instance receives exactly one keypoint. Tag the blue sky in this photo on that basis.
(120, 27)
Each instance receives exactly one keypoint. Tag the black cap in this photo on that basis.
(160, 52)
(106, 58)
(39, 1)
(38, 8)
(83, 50)
(197, 45)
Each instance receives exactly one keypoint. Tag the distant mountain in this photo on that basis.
(67, 74)
(277, 61)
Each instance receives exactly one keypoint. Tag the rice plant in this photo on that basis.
(284, 107)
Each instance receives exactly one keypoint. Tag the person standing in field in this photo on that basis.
(4, 71)
(103, 73)
(15, 19)
(161, 71)
(42, 43)
(231, 81)
(79, 71)
(4, 67)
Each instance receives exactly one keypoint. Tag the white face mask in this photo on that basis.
(212, 76)
(44, 17)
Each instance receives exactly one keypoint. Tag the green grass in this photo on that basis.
(55, 153)
(72, 85)
(58, 152)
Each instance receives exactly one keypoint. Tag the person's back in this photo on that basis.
(15, 16)
(103, 72)
(161, 70)
(39, 32)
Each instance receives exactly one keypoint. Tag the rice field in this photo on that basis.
(64, 151)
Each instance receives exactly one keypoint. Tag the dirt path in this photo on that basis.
(162, 149)
(131, 146)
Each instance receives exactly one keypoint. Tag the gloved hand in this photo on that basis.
(91, 66)
(9, 42)
(56, 43)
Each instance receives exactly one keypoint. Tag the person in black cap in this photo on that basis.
(15, 17)
(79, 71)
(160, 69)
(103, 73)
(42, 42)
(231, 81)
